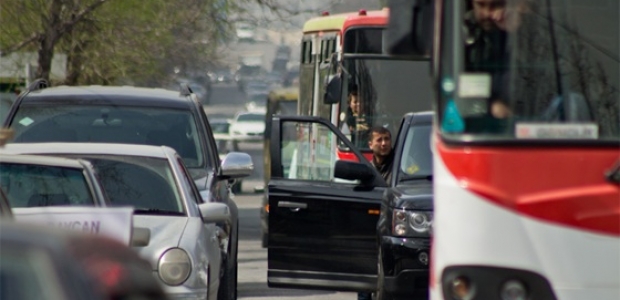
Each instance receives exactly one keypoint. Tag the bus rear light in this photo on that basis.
(362, 12)
(462, 288)
(513, 290)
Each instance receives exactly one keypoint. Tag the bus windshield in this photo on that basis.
(382, 98)
(546, 70)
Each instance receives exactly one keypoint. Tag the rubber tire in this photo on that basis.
(264, 239)
(381, 293)
(228, 283)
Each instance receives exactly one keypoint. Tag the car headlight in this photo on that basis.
(406, 223)
(174, 266)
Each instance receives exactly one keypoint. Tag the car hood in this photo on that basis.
(417, 196)
(166, 232)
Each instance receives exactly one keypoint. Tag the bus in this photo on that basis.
(526, 145)
(344, 52)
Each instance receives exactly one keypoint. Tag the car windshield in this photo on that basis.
(220, 127)
(382, 100)
(36, 185)
(111, 124)
(251, 118)
(417, 159)
(147, 184)
(551, 74)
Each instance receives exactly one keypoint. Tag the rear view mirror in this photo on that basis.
(333, 89)
(333, 86)
(410, 28)
(214, 212)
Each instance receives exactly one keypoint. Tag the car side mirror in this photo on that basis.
(410, 28)
(236, 165)
(214, 212)
(351, 170)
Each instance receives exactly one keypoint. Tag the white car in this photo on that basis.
(245, 32)
(247, 127)
(183, 248)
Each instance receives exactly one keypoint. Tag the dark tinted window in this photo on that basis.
(251, 118)
(364, 40)
(145, 183)
(417, 159)
(32, 185)
(111, 124)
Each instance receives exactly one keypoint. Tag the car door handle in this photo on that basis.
(294, 206)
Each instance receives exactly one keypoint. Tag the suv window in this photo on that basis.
(69, 122)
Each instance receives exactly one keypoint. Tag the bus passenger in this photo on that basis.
(355, 121)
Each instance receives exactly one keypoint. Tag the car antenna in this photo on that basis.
(185, 89)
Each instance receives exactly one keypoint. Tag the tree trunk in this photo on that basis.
(48, 40)
(46, 53)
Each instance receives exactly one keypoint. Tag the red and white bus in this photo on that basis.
(526, 145)
(350, 47)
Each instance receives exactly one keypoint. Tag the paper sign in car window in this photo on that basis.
(114, 222)
(26, 121)
(556, 131)
(474, 85)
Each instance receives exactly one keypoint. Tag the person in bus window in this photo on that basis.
(355, 122)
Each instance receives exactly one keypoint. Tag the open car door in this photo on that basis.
(323, 212)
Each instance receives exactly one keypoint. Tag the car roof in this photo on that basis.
(117, 95)
(421, 117)
(90, 148)
(40, 160)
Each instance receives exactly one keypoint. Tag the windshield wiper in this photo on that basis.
(156, 211)
(417, 177)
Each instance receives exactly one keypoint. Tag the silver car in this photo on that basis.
(183, 248)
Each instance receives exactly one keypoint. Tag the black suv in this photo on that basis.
(131, 115)
(337, 224)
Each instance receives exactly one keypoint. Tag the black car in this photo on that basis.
(130, 115)
(407, 212)
(336, 224)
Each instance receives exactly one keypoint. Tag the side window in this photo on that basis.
(212, 153)
(308, 151)
(188, 183)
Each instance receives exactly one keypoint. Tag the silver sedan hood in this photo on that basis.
(166, 232)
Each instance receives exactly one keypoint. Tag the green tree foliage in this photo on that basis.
(130, 41)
